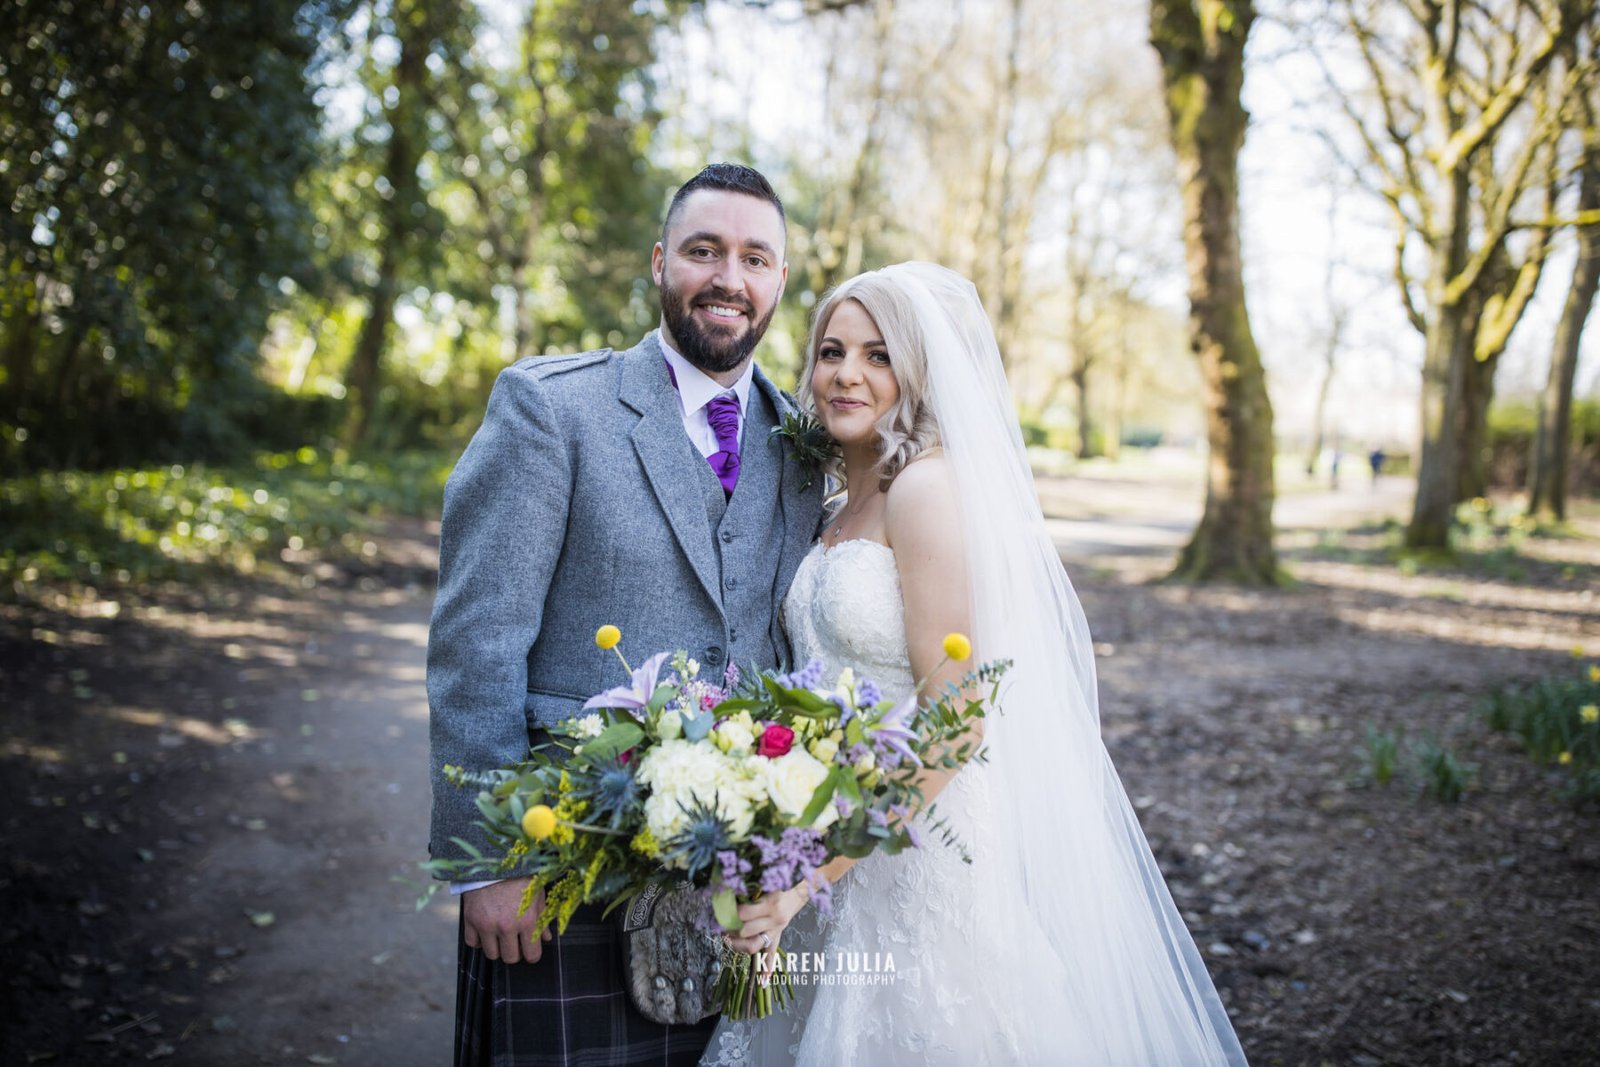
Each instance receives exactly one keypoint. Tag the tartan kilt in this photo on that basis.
(571, 1009)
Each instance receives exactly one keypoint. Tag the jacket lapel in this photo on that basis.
(668, 458)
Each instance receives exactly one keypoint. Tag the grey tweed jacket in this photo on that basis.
(581, 501)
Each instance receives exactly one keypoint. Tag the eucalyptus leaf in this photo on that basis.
(613, 741)
(726, 909)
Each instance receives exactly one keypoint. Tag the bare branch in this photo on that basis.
(1474, 135)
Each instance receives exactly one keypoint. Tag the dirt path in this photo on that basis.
(226, 788)
(206, 799)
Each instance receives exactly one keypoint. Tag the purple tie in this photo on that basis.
(722, 412)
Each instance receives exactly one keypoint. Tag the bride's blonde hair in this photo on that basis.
(909, 428)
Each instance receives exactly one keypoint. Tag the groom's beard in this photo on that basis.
(714, 351)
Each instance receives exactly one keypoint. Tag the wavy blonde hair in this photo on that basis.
(909, 428)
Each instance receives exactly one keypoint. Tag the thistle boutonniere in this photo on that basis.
(808, 443)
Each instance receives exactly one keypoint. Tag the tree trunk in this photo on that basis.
(1080, 382)
(1446, 351)
(22, 331)
(1447, 348)
(1552, 445)
(364, 376)
(1202, 59)
(1319, 416)
(1476, 396)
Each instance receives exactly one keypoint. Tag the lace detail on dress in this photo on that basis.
(916, 912)
(844, 608)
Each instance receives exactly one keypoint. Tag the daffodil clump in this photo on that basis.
(743, 784)
(1558, 722)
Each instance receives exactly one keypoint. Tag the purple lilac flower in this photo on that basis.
(844, 805)
(914, 834)
(730, 677)
(867, 693)
(877, 818)
(785, 861)
(849, 757)
(807, 677)
(732, 868)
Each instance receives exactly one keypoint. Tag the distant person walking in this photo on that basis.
(1375, 461)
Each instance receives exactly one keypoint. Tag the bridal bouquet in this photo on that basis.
(736, 787)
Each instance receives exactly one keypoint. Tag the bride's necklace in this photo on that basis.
(834, 533)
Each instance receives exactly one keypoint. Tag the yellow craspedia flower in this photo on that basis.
(1577, 651)
(607, 636)
(539, 822)
(1594, 672)
(1564, 759)
(1589, 713)
(957, 646)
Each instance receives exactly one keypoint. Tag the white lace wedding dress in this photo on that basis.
(955, 986)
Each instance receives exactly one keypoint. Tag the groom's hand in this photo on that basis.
(493, 925)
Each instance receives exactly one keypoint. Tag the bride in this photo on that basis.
(1058, 943)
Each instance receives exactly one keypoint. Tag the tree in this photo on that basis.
(551, 150)
(1201, 44)
(420, 31)
(150, 157)
(1553, 441)
(1461, 136)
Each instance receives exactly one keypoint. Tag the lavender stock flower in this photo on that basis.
(807, 677)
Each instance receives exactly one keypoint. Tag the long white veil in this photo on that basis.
(1115, 958)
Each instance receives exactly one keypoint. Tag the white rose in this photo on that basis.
(735, 736)
(791, 781)
(670, 726)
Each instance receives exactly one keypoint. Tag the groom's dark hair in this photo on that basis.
(729, 178)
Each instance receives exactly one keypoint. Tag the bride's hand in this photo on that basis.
(770, 916)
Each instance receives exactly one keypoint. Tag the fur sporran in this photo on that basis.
(672, 964)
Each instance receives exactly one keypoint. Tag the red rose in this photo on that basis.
(774, 741)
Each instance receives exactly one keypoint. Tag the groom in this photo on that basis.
(638, 488)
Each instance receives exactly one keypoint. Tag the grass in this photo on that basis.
(138, 526)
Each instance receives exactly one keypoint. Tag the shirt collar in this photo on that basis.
(696, 390)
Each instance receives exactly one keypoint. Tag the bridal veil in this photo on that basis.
(1086, 910)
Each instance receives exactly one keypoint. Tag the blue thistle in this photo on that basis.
(695, 847)
(611, 793)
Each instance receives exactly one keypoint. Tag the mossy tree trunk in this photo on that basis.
(1201, 44)
(1547, 495)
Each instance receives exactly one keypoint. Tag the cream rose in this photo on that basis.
(791, 781)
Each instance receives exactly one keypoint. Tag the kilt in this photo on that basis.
(571, 1009)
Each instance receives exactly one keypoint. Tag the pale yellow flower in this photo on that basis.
(1589, 713)
(1564, 759)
